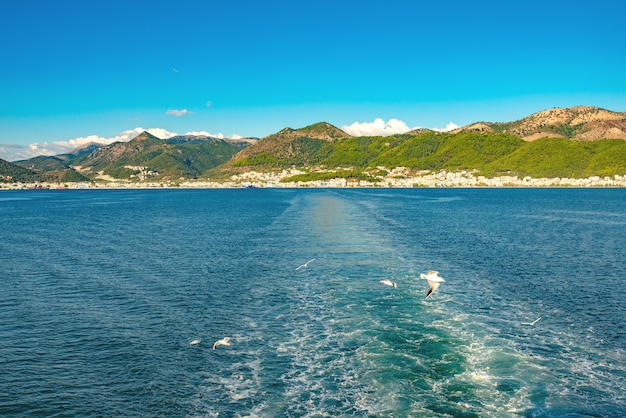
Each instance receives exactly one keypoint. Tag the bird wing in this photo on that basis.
(433, 287)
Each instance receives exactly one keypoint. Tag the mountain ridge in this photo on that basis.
(585, 123)
(295, 146)
(559, 134)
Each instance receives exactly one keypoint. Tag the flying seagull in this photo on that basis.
(305, 264)
(389, 283)
(223, 341)
(194, 342)
(433, 280)
(532, 323)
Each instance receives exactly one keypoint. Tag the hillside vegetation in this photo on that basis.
(10, 172)
(488, 154)
(558, 157)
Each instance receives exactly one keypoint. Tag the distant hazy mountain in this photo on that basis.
(198, 139)
(83, 149)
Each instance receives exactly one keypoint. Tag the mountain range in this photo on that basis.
(560, 142)
(143, 157)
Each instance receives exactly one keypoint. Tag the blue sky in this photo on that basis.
(74, 71)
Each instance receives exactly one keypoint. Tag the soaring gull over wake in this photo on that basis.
(305, 264)
(389, 283)
(223, 341)
(532, 323)
(433, 280)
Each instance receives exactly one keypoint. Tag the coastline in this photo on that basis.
(397, 178)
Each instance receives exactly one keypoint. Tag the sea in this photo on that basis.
(102, 293)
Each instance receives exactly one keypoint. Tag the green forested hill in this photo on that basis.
(436, 151)
(489, 153)
(10, 172)
(559, 157)
(291, 147)
(44, 163)
(55, 171)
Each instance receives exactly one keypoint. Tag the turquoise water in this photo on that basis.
(103, 290)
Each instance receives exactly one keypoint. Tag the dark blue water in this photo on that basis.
(102, 291)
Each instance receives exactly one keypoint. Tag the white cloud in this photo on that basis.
(13, 152)
(205, 133)
(69, 145)
(377, 128)
(158, 132)
(23, 152)
(381, 128)
(449, 127)
(40, 149)
(209, 103)
(219, 135)
(178, 113)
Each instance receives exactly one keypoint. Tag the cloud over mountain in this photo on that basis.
(121, 137)
(14, 152)
(392, 127)
(377, 128)
(449, 127)
(219, 135)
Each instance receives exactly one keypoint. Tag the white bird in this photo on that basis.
(389, 283)
(532, 323)
(305, 264)
(433, 279)
(194, 342)
(223, 341)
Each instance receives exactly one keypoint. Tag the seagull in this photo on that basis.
(389, 283)
(433, 280)
(223, 341)
(532, 323)
(305, 264)
(194, 342)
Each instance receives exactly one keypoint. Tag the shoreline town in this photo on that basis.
(397, 178)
